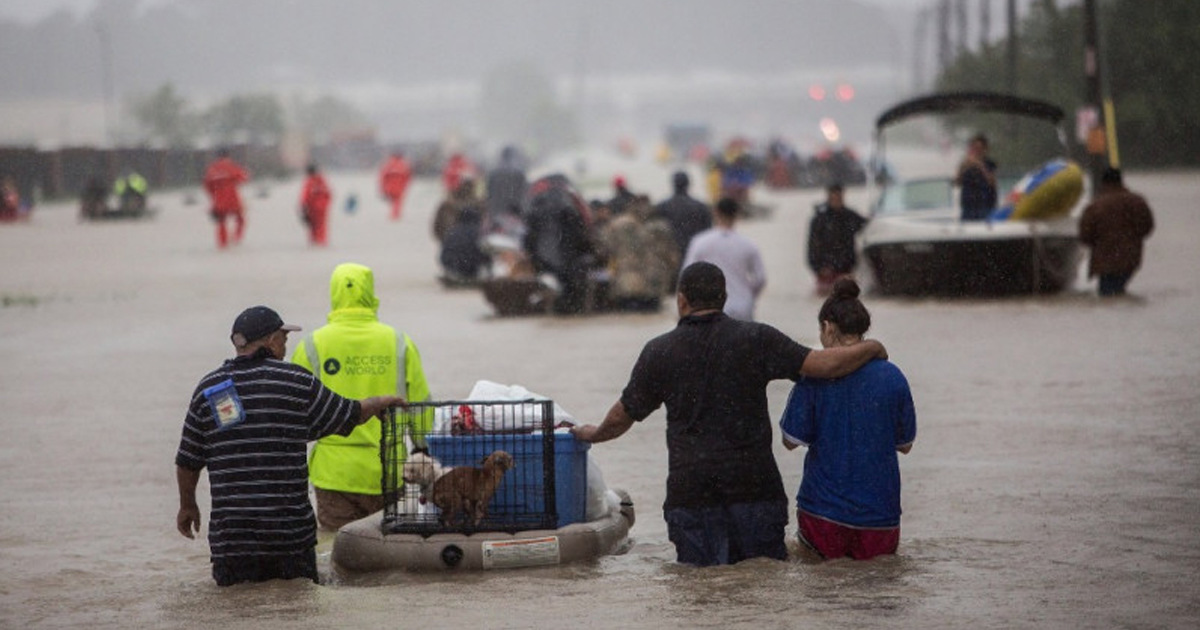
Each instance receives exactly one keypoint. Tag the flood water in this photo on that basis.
(1055, 481)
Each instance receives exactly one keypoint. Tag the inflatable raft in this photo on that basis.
(362, 546)
(1047, 192)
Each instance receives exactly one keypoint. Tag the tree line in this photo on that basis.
(167, 118)
(1149, 54)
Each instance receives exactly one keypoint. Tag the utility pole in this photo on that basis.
(985, 23)
(960, 17)
(1012, 46)
(581, 71)
(1094, 95)
(1013, 122)
(943, 25)
(105, 78)
(920, 52)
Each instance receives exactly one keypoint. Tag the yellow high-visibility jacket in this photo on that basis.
(358, 356)
(134, 181)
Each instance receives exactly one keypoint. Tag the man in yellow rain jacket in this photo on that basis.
(356, 355)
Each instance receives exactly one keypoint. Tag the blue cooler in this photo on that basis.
(522, 493)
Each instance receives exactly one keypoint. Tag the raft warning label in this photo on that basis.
(531, 552)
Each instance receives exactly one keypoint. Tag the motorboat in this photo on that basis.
(916, 242)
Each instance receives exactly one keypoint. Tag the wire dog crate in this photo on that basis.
(545, 488)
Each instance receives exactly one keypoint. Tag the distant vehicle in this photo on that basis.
(94, 203)
(688, 142)
(916, 242)
(833, 166)
(787, 169)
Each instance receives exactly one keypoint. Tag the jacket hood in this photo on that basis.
(352, 286)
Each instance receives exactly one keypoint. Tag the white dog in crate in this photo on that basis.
(421, 470)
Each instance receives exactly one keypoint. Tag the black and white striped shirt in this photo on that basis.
(255, 450)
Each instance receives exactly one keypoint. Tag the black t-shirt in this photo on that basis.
(461, 253)
(711, 372)
(831, 239)
(687, 217)
(978, 196)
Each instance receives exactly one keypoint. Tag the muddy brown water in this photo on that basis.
(1055, 481)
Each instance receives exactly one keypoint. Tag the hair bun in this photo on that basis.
(845, 288)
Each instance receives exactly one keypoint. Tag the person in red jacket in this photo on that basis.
(457, 169)
(221, 180)
(393, 181)
(314, 206)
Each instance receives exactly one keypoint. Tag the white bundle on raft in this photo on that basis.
(527, 418)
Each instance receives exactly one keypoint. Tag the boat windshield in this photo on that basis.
(919, 194)
(926, 194)
(924, 152)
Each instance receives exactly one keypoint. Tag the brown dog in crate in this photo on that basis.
(467, 490)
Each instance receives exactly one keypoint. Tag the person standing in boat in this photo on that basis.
(558, 240)
(505, 189)
(976, 179)
(463, 260)
(1114, 225)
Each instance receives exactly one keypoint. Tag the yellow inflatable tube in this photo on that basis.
(1047, 192)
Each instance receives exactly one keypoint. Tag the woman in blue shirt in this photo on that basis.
(849, 499)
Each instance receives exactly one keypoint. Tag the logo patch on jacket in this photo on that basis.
(227, 407)
(331, 366)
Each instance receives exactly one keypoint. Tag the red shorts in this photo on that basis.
(833, 540)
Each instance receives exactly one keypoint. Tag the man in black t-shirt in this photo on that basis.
(725, 498)
(831, 249)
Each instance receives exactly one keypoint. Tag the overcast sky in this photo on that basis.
(33, 10)
(675, 57)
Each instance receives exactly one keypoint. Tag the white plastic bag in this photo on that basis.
(597, 505)
(524, 416)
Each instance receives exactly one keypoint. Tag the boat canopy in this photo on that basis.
(952, 102)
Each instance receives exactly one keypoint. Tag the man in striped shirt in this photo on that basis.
(249, 423)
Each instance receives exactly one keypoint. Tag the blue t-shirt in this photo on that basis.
(852, 427)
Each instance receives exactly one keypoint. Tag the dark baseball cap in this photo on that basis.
(257, 322)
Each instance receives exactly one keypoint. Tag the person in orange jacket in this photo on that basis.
(457, 169)
(393, 181)
(314, 206)
(221, 181)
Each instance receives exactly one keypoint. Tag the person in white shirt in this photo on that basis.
(736, 255)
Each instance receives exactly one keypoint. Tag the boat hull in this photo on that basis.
(983, 267)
